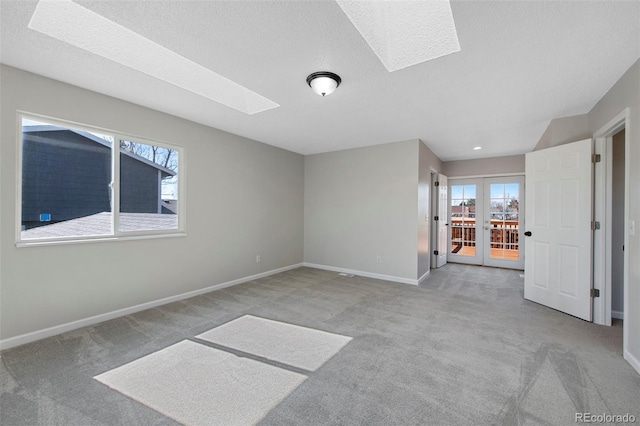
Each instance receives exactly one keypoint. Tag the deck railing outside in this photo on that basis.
(504, 233)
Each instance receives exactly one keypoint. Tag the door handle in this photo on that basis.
(527, 234)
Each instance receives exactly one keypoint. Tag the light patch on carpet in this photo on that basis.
(289, 344)
(197, 385)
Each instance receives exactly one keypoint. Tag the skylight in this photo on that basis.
(404, 33)
(80, 27)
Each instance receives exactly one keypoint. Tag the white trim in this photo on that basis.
(602, 237)
(98, 239)
(363, 273)
(635, 363)
(614, 125)
(73, 325)
(489, 175)
(617, 315)
(619, 122)
(424, 277)
(433, 212)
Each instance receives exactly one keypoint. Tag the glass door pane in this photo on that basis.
(463, 220)
(502, 226)
(465, 213)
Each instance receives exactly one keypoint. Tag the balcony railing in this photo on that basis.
(503, 235)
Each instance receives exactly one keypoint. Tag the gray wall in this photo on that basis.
(484, 166)
(244, 198)
(360, 204)
(427, 161)
(564, 130)
(617, 219)
(626, 93)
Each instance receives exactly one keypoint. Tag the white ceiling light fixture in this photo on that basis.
(404, 33)
(323, 82)
(477, 148)
(78, 26)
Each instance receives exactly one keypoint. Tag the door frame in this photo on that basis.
(602, 213)
(435, 224)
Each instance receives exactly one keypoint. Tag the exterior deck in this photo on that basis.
(504, 238)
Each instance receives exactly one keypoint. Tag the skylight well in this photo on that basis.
(404, 33)
(80, 27)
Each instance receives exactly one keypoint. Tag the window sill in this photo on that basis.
(97, 239)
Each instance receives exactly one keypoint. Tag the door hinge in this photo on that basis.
(436, 252)
(436, 184)
(596, 158)
(595, 225)
(436, 218)
(595, 292)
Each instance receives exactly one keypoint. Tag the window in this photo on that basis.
(78, 183)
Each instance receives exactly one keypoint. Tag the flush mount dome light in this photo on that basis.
(323, 82)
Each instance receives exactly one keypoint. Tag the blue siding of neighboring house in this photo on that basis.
(139, 186)
(67, 176)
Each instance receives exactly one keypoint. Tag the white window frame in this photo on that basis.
(116, 234)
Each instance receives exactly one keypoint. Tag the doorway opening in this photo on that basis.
(610, 259)
(617, 148)
(610, 262)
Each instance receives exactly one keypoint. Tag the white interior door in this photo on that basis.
(503, 219)
(443, 221)
(465, 243)
(558, 265)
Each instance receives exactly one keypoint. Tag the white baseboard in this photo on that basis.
(63, 328)
(424, 277)
(617, 315)
(365, 274)
(635, 363)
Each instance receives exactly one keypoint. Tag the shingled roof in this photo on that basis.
(100, 224)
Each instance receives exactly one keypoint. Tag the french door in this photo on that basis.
(503, 230)
(465, 221)
(485, 221)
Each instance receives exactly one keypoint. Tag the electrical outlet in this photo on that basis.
(378, 259)
(258, 259)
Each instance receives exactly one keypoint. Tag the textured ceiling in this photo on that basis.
(78, 26)
(404, 33)
(521, 64)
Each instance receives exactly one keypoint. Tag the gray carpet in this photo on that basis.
(198, 385)
(289, 344)
(463, 348)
